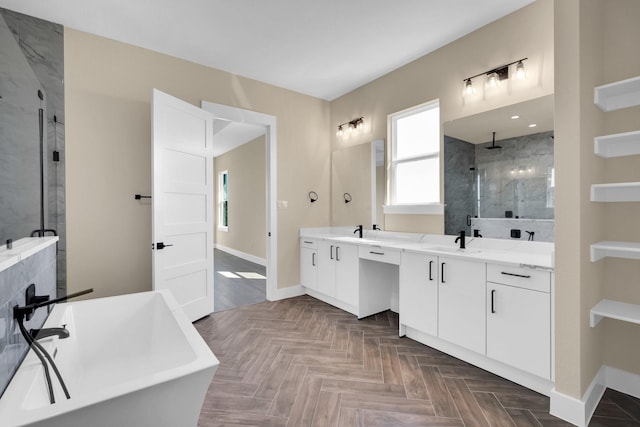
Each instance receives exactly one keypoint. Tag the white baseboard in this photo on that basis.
(243, 255)
(284, 293)
(580, 411)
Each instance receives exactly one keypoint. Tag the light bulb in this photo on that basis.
(340, 131)
(493, 79)
(360, 124)
(468, 87)
(520, 74)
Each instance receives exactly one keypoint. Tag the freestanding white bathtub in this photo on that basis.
(131, 360)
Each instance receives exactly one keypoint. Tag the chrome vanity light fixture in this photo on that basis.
(494, 76)
(350, 126)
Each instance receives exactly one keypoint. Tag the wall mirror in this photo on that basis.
(358, 170)
(502, 187)
(31, 130)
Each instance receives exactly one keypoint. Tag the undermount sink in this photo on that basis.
(453, 250)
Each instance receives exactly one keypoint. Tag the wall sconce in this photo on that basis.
(496, 75)
(350, 126)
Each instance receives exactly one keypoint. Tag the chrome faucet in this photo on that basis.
(358, 230)
(461, 239)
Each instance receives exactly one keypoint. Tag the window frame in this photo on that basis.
(222, 199)
(393, 207)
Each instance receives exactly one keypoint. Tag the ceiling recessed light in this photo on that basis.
(515, 117)
(532, 125)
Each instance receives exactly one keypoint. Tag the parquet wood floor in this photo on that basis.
(300, 362)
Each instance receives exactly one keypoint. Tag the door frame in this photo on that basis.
(235, 114)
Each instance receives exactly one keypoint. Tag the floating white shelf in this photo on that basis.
(628, 250)
(617, 192)
(614, 310)
(614, 96)
(618, 145)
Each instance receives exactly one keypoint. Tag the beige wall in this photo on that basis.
(108, 91)
(351, 173)
(620, 60)
(247, 194)
(527, 32)
(594, 39)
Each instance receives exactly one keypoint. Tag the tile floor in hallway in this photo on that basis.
(301, 362)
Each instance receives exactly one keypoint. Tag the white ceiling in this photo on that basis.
(477, 129)
(323, 48)
(230, 135)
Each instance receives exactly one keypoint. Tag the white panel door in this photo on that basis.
(183, 203)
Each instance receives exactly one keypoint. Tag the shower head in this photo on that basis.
(493, 143)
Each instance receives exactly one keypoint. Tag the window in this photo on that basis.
(223, 197)
(415, 160)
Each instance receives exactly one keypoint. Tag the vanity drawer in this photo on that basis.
(528, 278)
(376, 253)
(308, 243)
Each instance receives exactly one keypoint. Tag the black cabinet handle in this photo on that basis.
(376, 253)
(515, 275)
(308, 242)
(430, 275)
(493, 293)
(313, 259)
(442, 272)
(331, 250)
(337, 253)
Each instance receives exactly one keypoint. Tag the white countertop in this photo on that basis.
(500, 251)
(22, 249)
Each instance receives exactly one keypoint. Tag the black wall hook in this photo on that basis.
(313, 196)
(347, 197)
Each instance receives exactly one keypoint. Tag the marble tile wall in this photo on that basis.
(39, 268)
(517, 178)
(459, 185)
(34, 48)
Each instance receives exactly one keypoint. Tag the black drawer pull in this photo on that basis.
(430, 265)
(493, 294)
(308, 242)
(337, 253)
(516, 275)
(313, 259)
(331, 252)
(442, 272)
(376, 253)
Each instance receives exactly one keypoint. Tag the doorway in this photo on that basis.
(249, 269)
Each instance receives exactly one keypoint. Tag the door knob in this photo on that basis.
(161, 245)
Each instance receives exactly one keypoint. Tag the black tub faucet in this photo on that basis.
(461, 239)
(358, 230)
(39, 334)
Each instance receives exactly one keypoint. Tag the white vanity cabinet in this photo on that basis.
(519, 318)
(309, 263)
(338, 271)
(461, 303)
(419, 292)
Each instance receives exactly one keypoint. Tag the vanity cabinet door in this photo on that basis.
(327, 268)
(461, 303)
(347, 273)
(419, 292)
(518, 328)
(309, 267)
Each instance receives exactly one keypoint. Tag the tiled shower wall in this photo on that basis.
(32, 57)
(519, 177)
(39, 268)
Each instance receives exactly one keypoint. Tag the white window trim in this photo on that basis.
(411, 209)
(221, 227)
